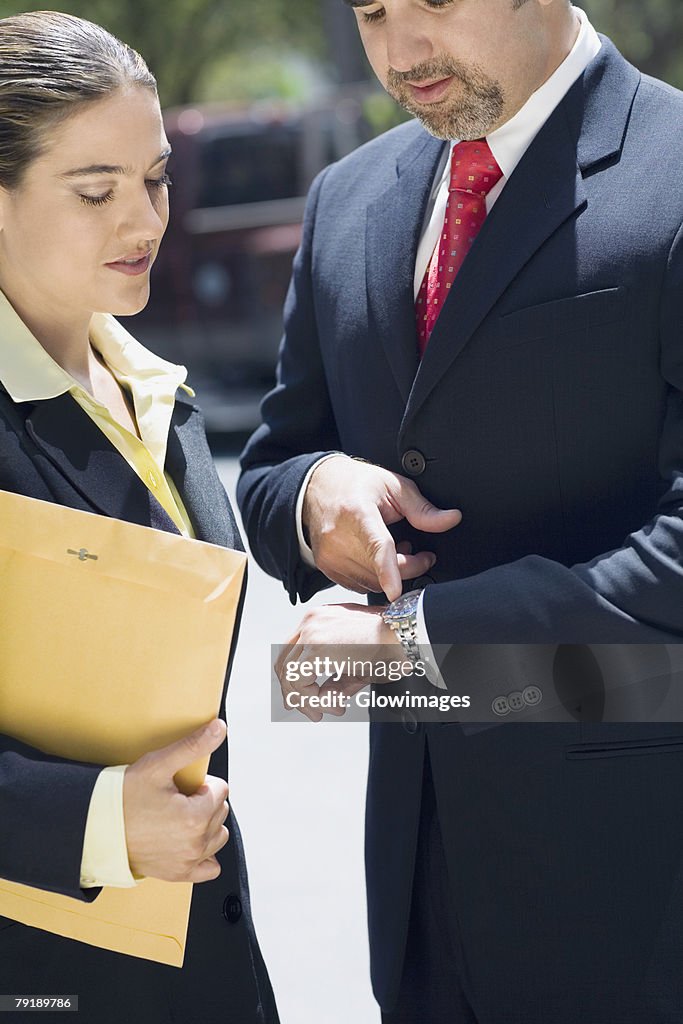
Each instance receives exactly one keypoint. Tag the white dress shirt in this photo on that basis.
(508, 144)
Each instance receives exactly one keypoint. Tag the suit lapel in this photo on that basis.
(79, 450)
(394, 224)
(545, 190)
(190, 463)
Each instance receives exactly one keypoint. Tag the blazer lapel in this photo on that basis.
(190, 463)
(394, 224)
(546, 189)
(79, 450)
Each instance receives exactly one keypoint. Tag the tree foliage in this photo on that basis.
(184, 40)
(648, 32)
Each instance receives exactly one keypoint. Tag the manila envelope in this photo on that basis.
(114, 641)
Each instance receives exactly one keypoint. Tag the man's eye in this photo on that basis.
(379, 15)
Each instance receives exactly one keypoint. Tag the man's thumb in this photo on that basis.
(200, 743)
(424, 516)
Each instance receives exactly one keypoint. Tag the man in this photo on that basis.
(492, 322)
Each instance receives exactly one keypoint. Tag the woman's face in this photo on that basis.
(82, 229)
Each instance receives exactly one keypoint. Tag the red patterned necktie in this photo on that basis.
(474, 172)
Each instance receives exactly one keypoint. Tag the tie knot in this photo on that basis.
(473, 168)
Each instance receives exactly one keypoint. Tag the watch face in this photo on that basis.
(404, 605)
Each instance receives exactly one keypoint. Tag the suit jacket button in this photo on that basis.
(516, 701)
(500, 706)
(532, 696)
(414, 462)
(232, 908)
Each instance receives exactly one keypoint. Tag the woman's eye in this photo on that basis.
(97, 200)
(153, 183)
(373, 16)
(163, 182)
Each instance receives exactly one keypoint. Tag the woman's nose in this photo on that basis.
(145, 217)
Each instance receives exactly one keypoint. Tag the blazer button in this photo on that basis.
(232, 908)
(516, 701)
(414, 462)
(500, 706)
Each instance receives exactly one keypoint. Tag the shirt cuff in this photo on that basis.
(304, 548)
(432, 670)
(105, 854)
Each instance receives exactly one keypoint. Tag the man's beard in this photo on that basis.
(471, 115)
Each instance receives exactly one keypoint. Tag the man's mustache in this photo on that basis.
(428, 70)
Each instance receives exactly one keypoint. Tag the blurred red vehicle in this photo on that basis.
(240, 178)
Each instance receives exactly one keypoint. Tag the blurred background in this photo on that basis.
(258, 97)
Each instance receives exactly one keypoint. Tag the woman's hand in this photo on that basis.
(170, 835)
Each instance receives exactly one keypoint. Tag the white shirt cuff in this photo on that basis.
(433, 672)
(304, 549)
(105, 854)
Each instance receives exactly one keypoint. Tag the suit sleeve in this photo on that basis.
(44, 805)
(297, 410)
(632, 594)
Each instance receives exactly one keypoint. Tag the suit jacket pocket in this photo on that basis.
(562, 316)
(624, 748)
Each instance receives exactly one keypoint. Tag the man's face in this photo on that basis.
(463, 67)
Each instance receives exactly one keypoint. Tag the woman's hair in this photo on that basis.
(51, 64)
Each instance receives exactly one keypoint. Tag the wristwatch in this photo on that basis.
(401, 616)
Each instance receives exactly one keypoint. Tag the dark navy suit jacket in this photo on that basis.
(548, 407)
(52, 450)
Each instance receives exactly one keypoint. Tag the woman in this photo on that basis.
(91, 420)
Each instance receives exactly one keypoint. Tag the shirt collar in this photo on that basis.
(29, 374)
(510, 142)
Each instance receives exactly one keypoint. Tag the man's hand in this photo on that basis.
(347, 508)
(340, 631)
(170, 835)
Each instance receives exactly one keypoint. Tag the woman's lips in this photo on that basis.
(134, 267)
(430, 93)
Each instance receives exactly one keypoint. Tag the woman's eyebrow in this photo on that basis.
(79, 172)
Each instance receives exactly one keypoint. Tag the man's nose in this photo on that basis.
(406, 45)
